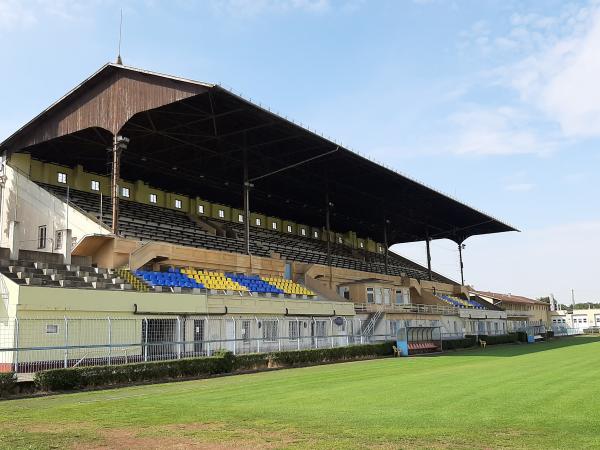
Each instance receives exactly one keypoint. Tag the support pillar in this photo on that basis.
(385, 243)
(462, 277)
(247, 186)
(119, 144)
(13, 241)
(427, 241)
(328, 205)
(67, 246)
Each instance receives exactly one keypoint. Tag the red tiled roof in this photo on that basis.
(508, 298)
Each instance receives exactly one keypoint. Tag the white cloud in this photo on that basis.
(18, 14)
(14, 15)
(497, 131)
(533, 263)
(560, 78)
(519, 187)
(253, 8)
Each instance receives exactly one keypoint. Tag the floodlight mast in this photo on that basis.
(249, 183)
(119, 144)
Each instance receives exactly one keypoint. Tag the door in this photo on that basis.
(198, 336)
(230, 335)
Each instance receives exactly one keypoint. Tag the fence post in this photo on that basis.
(16, 343)
(278, 335)
(109, 340)
(234, 336)
(346, 328)
(145, 340)
(299, 331)
(66, 362)
(331, 331)
(178, 338)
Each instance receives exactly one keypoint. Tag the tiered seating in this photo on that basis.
(459, 302)
(134, 281)
(148, 222)
(288, 286)
(255, 284)
(35, 273)
(213, 280)
(171, 278)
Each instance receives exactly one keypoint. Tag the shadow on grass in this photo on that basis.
(507, 350)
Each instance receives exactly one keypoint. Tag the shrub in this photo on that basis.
(222, 362)
(302, 357)
(8, 383)
(80, 377)
(468, 341)
(521, 336)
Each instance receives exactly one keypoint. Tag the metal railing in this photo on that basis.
(406, 308)
(30, 345)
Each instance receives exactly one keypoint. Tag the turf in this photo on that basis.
(545, 395)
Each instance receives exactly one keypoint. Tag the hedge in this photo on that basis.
(8, 383)
(468, 341)
(221, 363)
(80, 377)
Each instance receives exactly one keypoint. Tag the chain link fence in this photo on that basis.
(30, 345)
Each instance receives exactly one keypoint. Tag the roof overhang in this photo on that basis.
(192, 138)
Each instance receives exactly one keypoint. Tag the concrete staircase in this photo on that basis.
(32, 273)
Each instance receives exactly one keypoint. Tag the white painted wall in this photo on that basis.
(30, 205)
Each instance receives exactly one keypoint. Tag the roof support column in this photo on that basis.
(385, 243)
(460, 249)
(328, 205)
(247, 186)
(119, 144)
(427, 242)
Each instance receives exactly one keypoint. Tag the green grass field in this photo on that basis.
(545, 395)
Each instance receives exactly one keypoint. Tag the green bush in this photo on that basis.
(500, 339)
(8, 383)
(468, 341)
(253, 361)
(222, 362)
(302, 357)
(521, 336)
(80, 377)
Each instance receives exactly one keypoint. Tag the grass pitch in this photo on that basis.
(545, 395)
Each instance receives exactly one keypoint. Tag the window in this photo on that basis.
(370, 295)
(152, 198)
(221, 213)
(361, 245)
(289, 228)
(399, 297)
(274, 225)
(42, 236)
(58, 240)
(293, 330)
(200, 209)
(245, 330)
(316, 234)
(320, 328)
(340, 240)
(387, 293)
(177, 203)
(240, 218)
(303, 231)
(51, 328)
(269, 328)
(125, 192)
(258, 222)
(95, 185)
(61, 177)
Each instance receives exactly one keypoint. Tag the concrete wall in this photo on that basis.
(31, 206)
(140, 191)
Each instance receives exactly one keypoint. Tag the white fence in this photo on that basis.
(30, 345)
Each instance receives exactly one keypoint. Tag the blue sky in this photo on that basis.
(493, 102)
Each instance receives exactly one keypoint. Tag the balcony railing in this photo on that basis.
(518, 313)
(406, 309)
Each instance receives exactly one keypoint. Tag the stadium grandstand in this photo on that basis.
(172, 204)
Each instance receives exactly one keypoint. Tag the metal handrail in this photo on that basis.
(406, 308)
